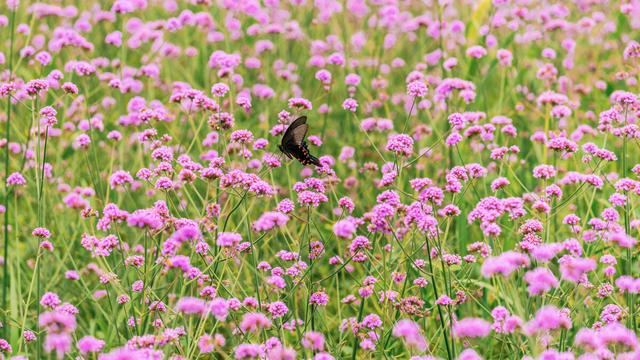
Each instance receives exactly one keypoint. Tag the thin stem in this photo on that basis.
(355, 340)
(435, 295)
(5, 279)
(631, 321)
(406, 121)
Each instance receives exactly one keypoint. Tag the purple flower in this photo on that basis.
(50, 300)
(504, 264)
(5, 347)
(416, 89)
(476, 52)
(36, 87)
(119, 178)
(253, 322)
(575, 268)
(471, 328)
(549, 318)
(277, 309)
(540, 281)
(144, 218)
(324, 76)
(219, 89)
(350, 105)
(248, 351)
(208, 343)
(544, 172)
(344, 229)
(401, 144)
(313, 340)
(242, 136)
(228, 239)
(191, 305)
(410, 333)
(219, 308)
(58, 342)
(16, 179)
(300, 103)
(319, 298)
(90, 344)
(270, 220)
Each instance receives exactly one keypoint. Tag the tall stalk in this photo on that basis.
(630, 298)
(5, 279)
(435, 296)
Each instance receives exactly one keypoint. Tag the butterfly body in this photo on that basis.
(293, 143)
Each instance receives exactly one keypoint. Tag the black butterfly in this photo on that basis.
(293, 144)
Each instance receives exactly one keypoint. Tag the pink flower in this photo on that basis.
(344, 229)
(36, 87)
(252, 322)
(270, 220)
(13, 5)
(119, 178)
(409, 331)
(540, 281)
(191, 305)
(504, 57)
(504, 264)
(575, 268)
(70, 88)
(5, 347)
(401, 144)
(323, 76)
(319, 298)
(16, 179)
(313, 340)
(301, 103)
(277, 309)
(248, 351)
(208, 343)
(219, 308)
(122, 7)
(417, 89)
(350, 105)
(48, 116)
(544, 172)
(471, 328)
(549, 318)
(219, 89)
(476, 52)
(89, 344)
(41, 232)
(228, 239)
(469, 354)
(29, 336)
(50, 300)
(242, 136)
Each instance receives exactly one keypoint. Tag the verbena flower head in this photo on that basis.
(16, 179)
(410, 333)
(471, 328)
(401, 144)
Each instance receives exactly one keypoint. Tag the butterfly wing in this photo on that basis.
(293, 143)
(288, 134)
(284, 151)
(297, 135)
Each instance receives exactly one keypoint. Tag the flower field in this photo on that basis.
(319, 179)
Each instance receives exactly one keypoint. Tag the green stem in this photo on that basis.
(631, 321)
(435, 295)
(5, 279)
(355, 339)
